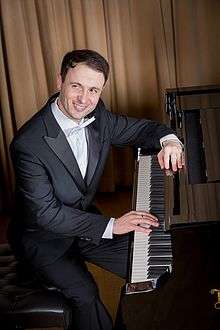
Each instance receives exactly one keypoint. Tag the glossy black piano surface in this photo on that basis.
(184, 301)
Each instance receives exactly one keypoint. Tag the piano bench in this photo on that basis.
(26, 304)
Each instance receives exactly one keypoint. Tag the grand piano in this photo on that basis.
(174, 273)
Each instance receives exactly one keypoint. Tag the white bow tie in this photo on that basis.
(72, 130)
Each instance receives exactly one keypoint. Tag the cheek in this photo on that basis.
(68, 93)
(95, 100)
(72, 95)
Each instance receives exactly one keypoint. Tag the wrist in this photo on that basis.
(114, 228)
(175, 143)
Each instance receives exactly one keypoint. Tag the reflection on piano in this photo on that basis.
(186, 300)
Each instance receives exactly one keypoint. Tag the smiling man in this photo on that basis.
(59, 157)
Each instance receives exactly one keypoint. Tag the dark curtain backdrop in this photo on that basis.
(150, 44)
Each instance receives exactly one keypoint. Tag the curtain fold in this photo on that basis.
(151, 45)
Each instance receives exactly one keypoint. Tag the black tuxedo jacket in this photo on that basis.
(51, 197)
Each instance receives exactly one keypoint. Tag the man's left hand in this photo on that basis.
(171, 156)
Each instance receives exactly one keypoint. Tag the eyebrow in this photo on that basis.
(95, 87)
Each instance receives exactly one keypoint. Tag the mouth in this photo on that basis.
(79, 107)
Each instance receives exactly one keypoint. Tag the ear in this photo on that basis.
(59, 81)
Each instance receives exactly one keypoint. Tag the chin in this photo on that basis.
(77, 118)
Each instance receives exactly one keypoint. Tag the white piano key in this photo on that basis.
(142, 242)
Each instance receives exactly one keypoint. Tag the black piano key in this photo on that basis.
(160, 238)
(159, 261)
(159, 252)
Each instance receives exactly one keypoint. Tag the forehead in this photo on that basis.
(85, 76)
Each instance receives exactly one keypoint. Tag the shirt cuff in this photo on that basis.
(168, 137)
(108, 233)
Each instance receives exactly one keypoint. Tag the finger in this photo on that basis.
(160, 157)
(139, 229)
(145, 225)
(179, 162)
(183, 159)
(140, 221)
(144, 214)
(173, 159)
(180, 159)
(167, 159)
(140, 215)
(144, 218)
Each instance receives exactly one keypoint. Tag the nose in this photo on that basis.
(82, 97)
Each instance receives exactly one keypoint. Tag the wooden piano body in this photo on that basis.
(192, 215)
(193, 195)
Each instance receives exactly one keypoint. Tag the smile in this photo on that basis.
(79, 107)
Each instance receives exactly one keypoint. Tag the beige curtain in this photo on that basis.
(150, 44)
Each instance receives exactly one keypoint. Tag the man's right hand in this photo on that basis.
(139, 221)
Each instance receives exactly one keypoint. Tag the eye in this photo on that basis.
(74, 86)
(93, 91)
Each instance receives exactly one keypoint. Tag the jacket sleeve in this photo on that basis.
(142, 133)
(41, 208)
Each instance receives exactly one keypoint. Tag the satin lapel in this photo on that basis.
(94, 148)
(58, 143)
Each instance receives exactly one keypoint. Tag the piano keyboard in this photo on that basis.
(151, 254)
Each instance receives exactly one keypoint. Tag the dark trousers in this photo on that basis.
(71, 276)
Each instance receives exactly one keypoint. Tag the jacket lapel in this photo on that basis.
(94, 148)
(58, 143)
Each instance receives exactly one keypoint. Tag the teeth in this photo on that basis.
(79, 107)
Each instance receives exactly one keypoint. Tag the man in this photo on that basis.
(59, 156)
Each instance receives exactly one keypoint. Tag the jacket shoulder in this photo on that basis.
(32, 128)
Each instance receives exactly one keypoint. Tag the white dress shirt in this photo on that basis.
(75, 134)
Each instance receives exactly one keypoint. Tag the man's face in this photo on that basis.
(80, 91)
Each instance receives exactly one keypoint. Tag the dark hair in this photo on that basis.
(91, 58)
